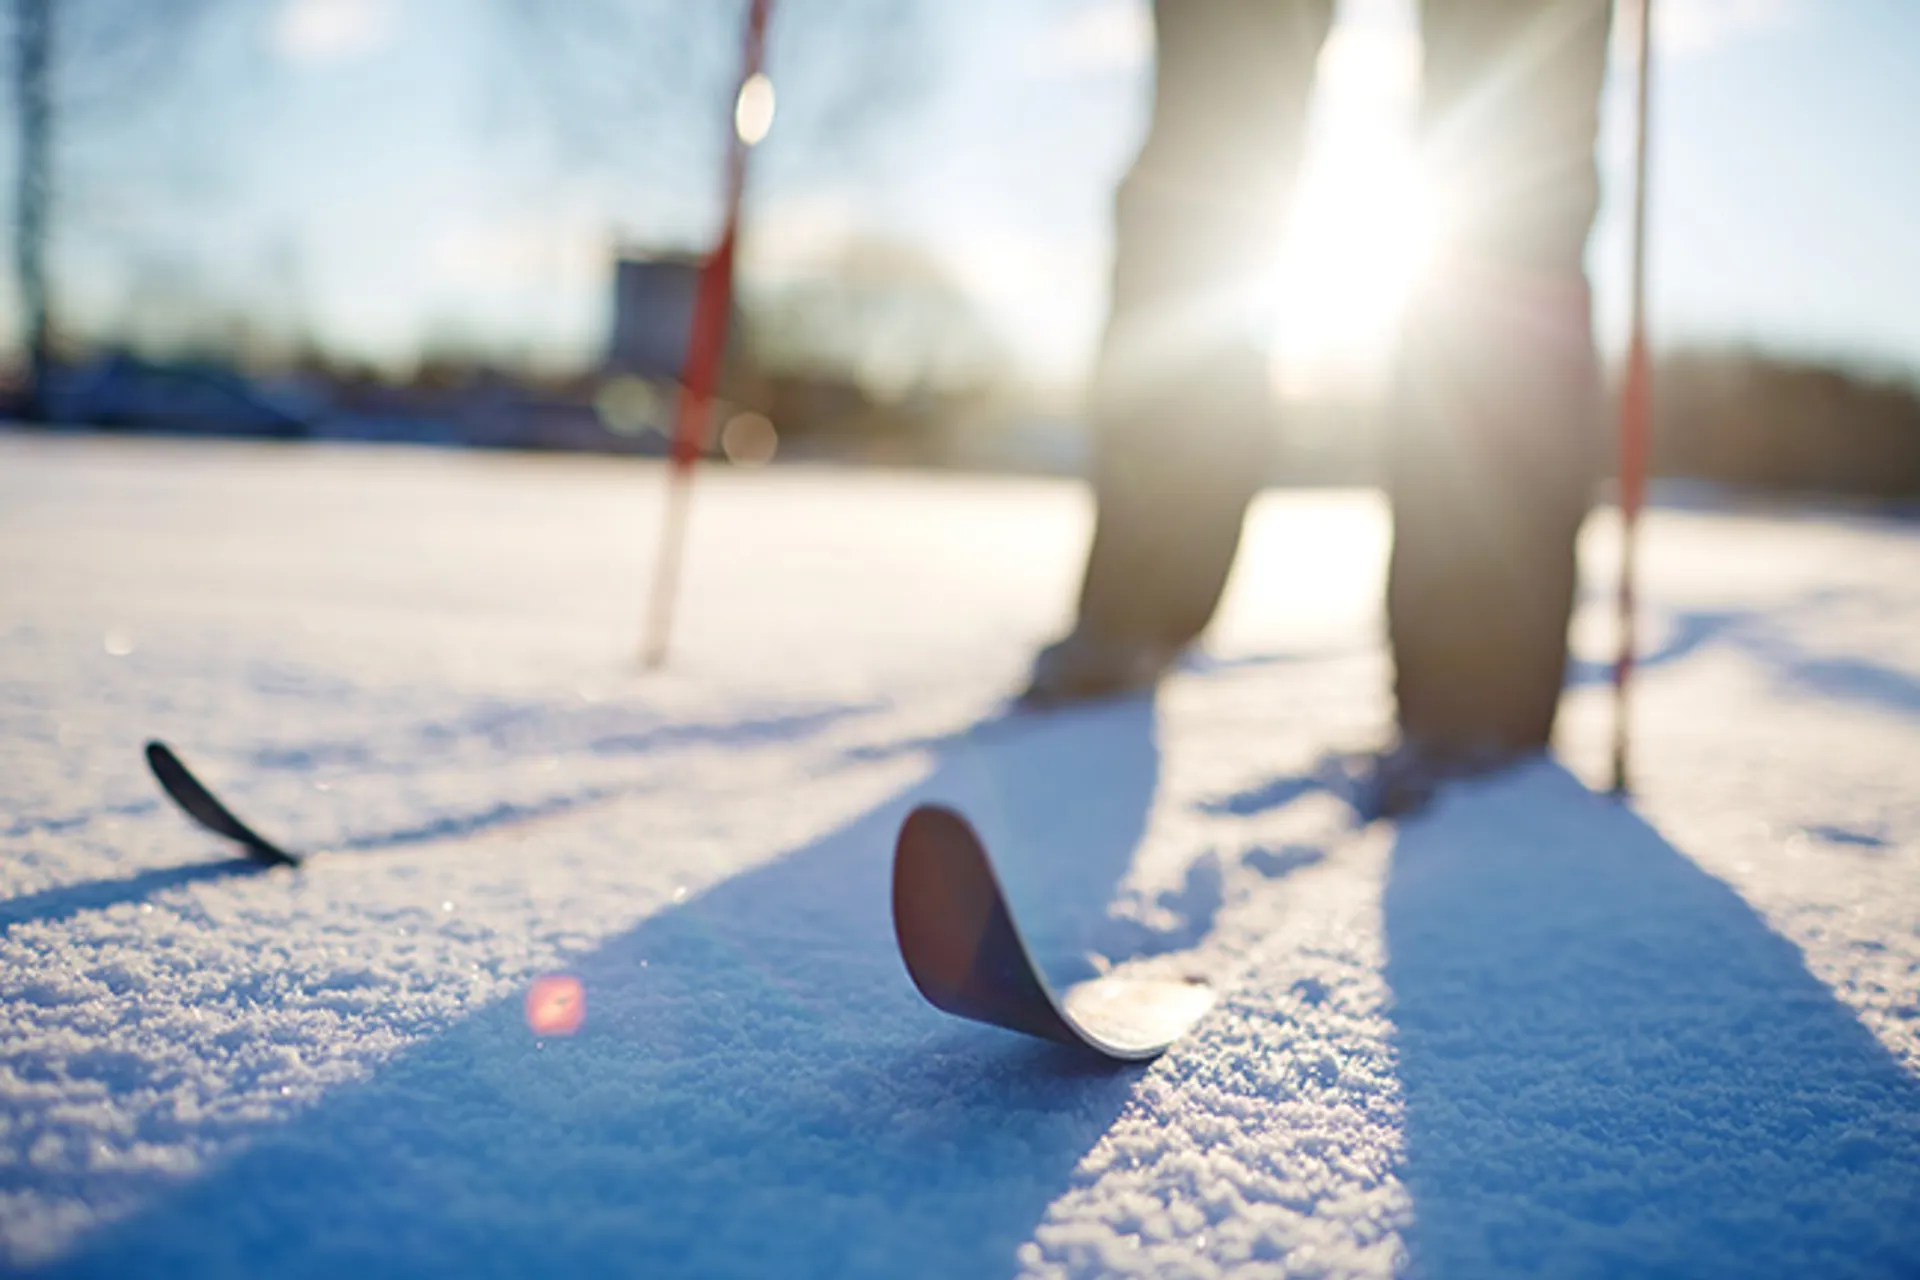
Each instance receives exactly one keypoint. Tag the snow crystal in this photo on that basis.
(595, 972)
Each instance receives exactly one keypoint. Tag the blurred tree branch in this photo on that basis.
(33, 189)
(639, 90)
(75, 61)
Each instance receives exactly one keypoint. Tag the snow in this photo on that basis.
(1533, 1032)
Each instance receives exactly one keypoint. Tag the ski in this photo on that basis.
(205, 808)
(966, 955)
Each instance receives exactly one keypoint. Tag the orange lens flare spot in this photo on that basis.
(556, 1005)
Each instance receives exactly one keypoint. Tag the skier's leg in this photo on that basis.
(1180, 400)
(1497, 431)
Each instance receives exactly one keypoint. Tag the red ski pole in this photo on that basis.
(1634, 392)
(706, 343)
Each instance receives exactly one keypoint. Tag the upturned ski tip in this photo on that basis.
(965, 954)
(201, 805)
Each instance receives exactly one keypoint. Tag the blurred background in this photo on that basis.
(477, 223)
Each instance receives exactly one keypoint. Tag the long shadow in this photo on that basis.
(1612, 1066)
(757, 1090)
(1274, 793)
(59, 824)
(66, 901)
(1692, 631)
(1840, 679)
(504, 813)
(70, 900)
(512, 730)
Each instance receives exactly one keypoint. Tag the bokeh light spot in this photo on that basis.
(627, 405)
(753, 109)
(749, 440)
(556, 1005)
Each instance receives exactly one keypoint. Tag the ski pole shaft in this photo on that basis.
(706, 345)
(1634, 395)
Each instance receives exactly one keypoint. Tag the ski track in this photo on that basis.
(1532, 1032)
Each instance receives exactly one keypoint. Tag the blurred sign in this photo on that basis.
(652, 311)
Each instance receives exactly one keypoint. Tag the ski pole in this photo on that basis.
(1634, 394)
(706, 343)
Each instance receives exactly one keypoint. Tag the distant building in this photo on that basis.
(652, 312)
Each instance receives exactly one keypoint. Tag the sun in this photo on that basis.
(1351, 252)
(1361, 225)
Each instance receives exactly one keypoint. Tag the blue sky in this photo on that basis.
(393, 173)
(1786, 192)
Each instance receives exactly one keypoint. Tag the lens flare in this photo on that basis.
(749, 440)
(556, 1005)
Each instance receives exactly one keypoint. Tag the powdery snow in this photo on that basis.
(1533, 1032)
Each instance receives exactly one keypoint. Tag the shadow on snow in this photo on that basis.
(66, 901)
(757, 1089)
(1612, 1066)
(1836, 678)
(1839, 679)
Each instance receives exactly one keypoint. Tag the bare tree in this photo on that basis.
(72, 59)
(884, 313)
(33, 101)
(636, 90)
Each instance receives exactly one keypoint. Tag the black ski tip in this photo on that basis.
(956, 935)
(964, 952)
(205, 808)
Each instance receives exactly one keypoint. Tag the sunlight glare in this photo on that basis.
(1361, 224)
(1354, 247)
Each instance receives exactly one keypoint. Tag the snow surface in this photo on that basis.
(1533, 1032)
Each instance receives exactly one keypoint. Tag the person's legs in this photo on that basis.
(1179, 403)
(1497, 433)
